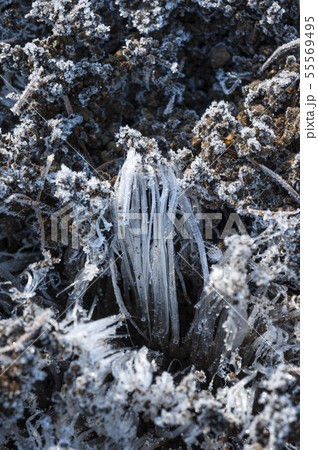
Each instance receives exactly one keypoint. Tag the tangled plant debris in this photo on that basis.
(149, 232)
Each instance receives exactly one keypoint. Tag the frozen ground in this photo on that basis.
(126, 322)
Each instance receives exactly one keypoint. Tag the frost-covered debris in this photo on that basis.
(147, 16)
(70, 17)
(121, 114)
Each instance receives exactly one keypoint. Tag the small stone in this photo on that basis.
(219, 56)
(105, 155)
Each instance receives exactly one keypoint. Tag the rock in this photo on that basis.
(219, 56)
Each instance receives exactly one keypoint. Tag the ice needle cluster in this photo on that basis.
(152, 250)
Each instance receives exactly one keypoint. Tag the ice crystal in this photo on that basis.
(149, 188)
